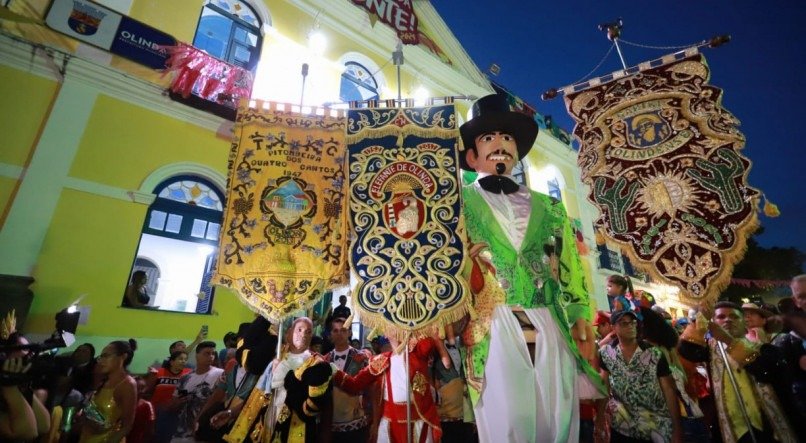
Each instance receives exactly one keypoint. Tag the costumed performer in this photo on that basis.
(255, 348)
(532, 249)
(389, 368)
(761, 401)
(351, 421)
(302, 389)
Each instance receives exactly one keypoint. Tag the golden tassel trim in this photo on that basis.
(318, 391)
(770, 209)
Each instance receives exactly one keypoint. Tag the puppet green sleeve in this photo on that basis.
(572, 277)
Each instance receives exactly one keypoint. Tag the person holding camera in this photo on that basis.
(17, 418)
(109, 416)
(18, 401)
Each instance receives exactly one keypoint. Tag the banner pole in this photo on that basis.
(408, 389)
(735, 385)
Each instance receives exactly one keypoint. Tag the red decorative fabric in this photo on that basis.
(200, 74)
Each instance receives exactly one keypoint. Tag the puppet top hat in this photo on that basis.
(492, 113)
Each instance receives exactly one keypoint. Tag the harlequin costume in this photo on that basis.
(307, 390)
(537, 265)
(350, 420)
(761, 376)
(389, 369)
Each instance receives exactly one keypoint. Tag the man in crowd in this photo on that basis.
(761, 401)
(193, 390)
(453, 404)
(389, 370)
(798, 287)
(341, 311)
(643, 404)
(228, 352)
(180, 346)
(351, 422)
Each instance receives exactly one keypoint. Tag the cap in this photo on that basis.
(616, 316)
(601, 318)
(756, 308)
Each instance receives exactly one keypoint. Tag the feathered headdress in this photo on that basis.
(9, 325)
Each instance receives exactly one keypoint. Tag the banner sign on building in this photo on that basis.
(109, 30)
(662, 159)
(405, 213)
(398, 14)
(283, 240)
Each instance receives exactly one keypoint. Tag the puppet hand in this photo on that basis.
(580, 329)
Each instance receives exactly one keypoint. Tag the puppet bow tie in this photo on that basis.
(340, 357)
(498, 184)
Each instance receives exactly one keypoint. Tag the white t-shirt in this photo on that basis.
(198, 387)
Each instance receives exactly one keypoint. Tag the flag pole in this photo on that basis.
(735, 385)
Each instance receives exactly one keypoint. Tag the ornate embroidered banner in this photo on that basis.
(283, 235)
(661, 156)
(404, 211)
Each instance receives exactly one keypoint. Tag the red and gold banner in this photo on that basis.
(283, 240)
(662, 158)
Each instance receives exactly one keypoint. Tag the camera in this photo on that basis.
(45, 365)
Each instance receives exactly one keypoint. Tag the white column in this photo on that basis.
(36, 199)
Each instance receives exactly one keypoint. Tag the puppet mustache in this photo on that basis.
(499, 155)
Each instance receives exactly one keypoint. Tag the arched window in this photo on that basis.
(361, 78)
(230, 30)
(178, 245)
(547, 180)
(554, 188)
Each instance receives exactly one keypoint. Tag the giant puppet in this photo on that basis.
(532, 250)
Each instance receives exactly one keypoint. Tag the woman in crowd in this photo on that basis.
(763, 326)
(163, 384)
(109, 416)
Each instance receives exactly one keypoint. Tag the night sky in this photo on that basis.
(554, 44)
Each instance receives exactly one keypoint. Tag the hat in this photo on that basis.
(601, 318)
(492, 113)
(755, 308)
(616, 316)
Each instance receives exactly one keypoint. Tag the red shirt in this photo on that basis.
(144, 418)
(166, 385)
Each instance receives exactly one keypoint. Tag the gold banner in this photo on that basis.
(283, 236)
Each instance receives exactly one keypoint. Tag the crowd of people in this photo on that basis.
(723, 373)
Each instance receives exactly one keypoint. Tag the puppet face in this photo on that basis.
(301, 336)
(491, 149)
